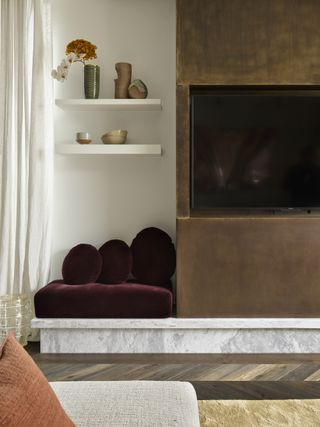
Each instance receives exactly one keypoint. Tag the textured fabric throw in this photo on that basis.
(262, 413)
(26, 398)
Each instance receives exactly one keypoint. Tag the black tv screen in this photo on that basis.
(255, 149)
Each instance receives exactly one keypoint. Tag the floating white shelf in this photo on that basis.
(109, 104)
(110, 150)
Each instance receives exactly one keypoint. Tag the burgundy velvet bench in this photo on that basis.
(97, 300)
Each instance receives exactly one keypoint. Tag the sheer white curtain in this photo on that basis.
(26, 156)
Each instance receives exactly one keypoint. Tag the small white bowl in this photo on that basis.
(115, 137)
(83, 138)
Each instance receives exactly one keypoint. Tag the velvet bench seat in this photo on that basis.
(95, 300)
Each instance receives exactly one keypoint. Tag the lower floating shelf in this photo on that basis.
(110, 150)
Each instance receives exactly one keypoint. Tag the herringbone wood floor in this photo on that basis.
(213, 376)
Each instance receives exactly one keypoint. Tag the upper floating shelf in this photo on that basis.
(110, 104)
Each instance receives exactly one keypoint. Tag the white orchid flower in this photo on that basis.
(64, 74)
(71, 57)
(58, 76)
(65, 64)
(61, 73)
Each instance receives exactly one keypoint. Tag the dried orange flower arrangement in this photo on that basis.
(77, 51)
(82, 48)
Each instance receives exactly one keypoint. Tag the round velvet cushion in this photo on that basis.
(154, 257)
(116, 262)
(81, 265)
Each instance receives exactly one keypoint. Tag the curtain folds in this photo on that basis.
(26, 151)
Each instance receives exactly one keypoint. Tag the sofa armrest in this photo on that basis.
(129, 403)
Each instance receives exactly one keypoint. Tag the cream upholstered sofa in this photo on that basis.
(129, 403)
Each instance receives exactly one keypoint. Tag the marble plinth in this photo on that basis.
(179, 335)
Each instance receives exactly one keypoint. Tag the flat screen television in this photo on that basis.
(254, 149)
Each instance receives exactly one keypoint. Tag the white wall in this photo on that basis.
(99, 198)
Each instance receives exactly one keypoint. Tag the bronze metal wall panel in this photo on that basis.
(242, 267)
(183, 151)
(248, 267)
(248, 42)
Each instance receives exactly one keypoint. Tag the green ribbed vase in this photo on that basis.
(91, 81)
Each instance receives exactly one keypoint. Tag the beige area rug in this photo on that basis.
(260, 413)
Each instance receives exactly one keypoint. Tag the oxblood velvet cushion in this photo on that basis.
(26, 398)
(82, 265)
(116, 262)
(154, 256)
(94, 300)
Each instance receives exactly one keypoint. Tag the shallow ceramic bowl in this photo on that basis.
(115, 137)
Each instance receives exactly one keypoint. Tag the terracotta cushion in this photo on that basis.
(154, 256)
(82, 264)
(26, 398)
(116, 262)
(95, 300)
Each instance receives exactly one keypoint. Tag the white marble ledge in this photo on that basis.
(179, 323)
